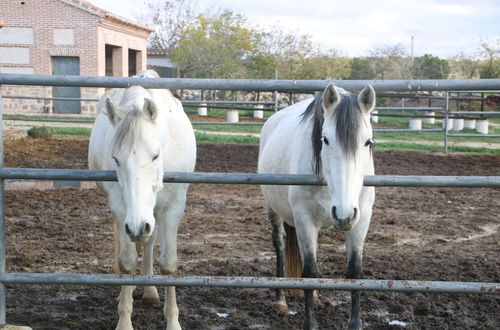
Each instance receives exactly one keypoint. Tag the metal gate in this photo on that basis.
(66, 65)
(238, 178)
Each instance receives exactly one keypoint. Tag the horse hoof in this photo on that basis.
(173, 326)
(316, 296)
(126, 325)
(355, 325)
(152, 301)
(281, 307)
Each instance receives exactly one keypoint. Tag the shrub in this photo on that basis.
(40, 132)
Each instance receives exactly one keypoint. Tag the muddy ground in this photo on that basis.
(419, 234)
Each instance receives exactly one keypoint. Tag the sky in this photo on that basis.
(442, 28)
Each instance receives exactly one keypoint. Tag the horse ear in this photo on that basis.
(366, 99)
(150, 109)
(112, 111)
(331, 98)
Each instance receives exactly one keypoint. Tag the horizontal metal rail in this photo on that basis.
(248, 84)
(252, 282)
(48, 98)
(409, 108)
(474, 112)
(476, 135)
(51, 120)
(225, 123)
(208, 103)
(396, 130)
(252, 178)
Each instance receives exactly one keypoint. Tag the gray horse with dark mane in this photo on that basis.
(330, 136)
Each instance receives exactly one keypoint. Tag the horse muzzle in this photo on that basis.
(345, 223)
(139, 234)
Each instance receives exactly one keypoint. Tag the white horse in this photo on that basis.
(330, 136)
(141, 133)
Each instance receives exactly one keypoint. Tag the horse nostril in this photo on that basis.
(127, 229)
(355, 213)
(333, 213)
(147, 229)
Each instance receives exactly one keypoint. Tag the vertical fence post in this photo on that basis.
(446, 113)
(2, 225)
(275, 93)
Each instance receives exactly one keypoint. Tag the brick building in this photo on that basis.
(65, 37)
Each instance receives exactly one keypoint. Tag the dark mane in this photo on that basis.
(347, 116)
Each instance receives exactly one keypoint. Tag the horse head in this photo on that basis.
(136, 154)
(346, 151)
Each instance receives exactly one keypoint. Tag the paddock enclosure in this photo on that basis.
(448, 234)
(422, 234)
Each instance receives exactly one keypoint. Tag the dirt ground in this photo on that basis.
(419, 234)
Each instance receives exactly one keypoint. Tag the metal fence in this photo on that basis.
(297, 86)
(236, 178)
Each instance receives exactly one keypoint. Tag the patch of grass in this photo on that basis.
(72, 131)
(437, 136)
(225, 139)
(434, 148)
(41, 132)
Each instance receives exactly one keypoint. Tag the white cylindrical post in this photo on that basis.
(450, 123)
(202, 109)
(415, 123)
(482, 126)
(430, 120)
(374, 116)
(258, 113)
(470, 123)
(458, 124)
(232, 116)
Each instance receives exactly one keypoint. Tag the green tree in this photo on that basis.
(431, 67)
(214, 47)
(362, 69)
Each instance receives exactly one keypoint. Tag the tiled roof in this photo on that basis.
(87, 6)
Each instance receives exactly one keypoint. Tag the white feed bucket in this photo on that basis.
(202, 109)
(458, 124)
(470, 123)
(374, 116)
(232, 116)
(430, 120)
(482, 126)
(415, 124)
(259, 113)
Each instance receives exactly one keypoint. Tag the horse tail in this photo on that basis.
(293, 266)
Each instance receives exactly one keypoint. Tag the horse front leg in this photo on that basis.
(354, 245)
(150, 296)
(307, 235)
(279, 247)
(167, 232)
(126, 263)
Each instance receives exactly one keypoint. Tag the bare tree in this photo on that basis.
(389, 61)
(489, 51)
(170, 19)
(464, 67)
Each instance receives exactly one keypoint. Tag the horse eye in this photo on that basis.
(369, 142)
(116, 161)
(325, 140)
(156, 157)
